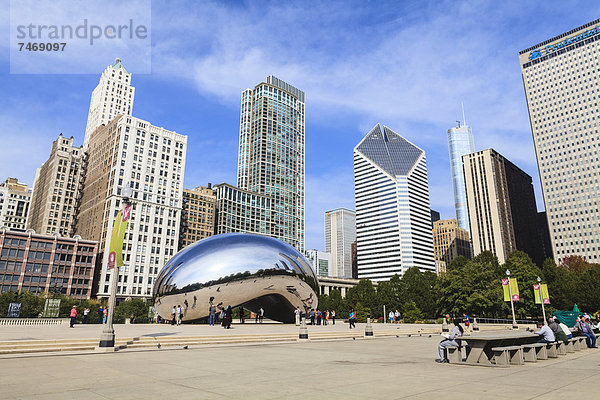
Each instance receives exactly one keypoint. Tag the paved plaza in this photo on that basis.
(384, 368)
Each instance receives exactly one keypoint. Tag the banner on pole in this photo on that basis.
(115, 255)
(513, 287)
(545, 297)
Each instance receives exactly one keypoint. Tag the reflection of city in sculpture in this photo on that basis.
(238, 270)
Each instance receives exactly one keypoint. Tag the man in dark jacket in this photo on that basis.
(558, 332)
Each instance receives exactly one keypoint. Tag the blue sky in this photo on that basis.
(406, 64)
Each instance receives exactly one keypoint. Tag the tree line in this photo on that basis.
(474, 287)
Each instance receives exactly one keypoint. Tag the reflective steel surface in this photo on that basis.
(238, 270)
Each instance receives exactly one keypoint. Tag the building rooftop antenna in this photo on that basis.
(463, 113)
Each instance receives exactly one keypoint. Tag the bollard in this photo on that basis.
(445, 326)
(369, 327)
(475, 326)
(303, 335)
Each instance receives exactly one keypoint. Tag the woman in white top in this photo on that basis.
(457, 331)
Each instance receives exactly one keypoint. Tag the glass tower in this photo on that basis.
(460, 143)
(271, 154)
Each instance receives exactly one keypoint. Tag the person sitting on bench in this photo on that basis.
(457, 331)
(547, 336)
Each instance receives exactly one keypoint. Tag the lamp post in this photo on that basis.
(542, 299)
(512, 306)
(107, 338)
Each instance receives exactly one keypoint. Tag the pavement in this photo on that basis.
(384, 368)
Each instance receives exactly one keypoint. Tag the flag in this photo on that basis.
(513, 287)
(115, 255)
(545, 294)
(545, 297)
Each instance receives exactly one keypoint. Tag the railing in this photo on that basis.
(34, 321)
(503, 321)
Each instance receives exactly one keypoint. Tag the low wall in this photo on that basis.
(34, 321)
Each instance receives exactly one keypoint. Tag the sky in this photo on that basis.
(407, 65)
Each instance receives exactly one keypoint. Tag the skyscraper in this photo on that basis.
(340, 233)
(271, 154)
(14, 204)
(197, 215)
(151, 160)
(460, 142)
(320, 261)
(561, 79)
(113, 96)
(239, 210)
(393, 219)
(56, 189)
(502, 210)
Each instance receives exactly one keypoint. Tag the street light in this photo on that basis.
(542, 299)
(512, 306)
(107, 338)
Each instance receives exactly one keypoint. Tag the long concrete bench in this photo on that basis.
(508, 355)
(570, 346)
(535, 351)
(582, 343)
(561, 348)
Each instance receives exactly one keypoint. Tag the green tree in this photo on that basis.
(137, 307)
(362, 293)
(421, 288)
(412, 313)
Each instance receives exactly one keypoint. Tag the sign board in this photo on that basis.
(51, 308)
(14, 310)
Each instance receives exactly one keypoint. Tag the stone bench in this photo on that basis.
(535, 351)
(504, 356)
(551, 350)
(581, 342)
(454, 354)
(561, 348)
(570, 346)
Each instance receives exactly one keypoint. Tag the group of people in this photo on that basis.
(102, 312)
(318, 316)
(177, 314)
(554, 331)
(557, 331)
(394, 317)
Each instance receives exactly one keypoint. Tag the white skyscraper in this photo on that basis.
(113, 96)
(320, 261)
(393, 219)
(340, 233)
(151, 160)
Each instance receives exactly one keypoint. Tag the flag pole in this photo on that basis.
(512, 306)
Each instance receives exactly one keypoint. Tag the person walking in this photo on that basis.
(73, 316)
(318, 317)
(449, 340)
(242, 316)
(333, 317)
(391, 317)
(352, 319)
(104, 315)
(174, 315)
(261, 315)
(467, 330)
(397, 317)
(100, 314)
(227, 318)
(312, 316)
(297, 312)
(327, 317)
(85, 315)
(179, 312)
(212, 310)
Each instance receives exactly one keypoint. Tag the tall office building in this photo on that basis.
(56, 189)
(561, 81)
(449, 241)
(238, 210)
(14, 204)
(460, 143)
(113, 96)
(340, 233)
(502, 209)
(271, 154)
(151, 160)
(320, 261)
(393, 218)
(197, 216)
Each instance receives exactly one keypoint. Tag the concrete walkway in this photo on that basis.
(393, 368)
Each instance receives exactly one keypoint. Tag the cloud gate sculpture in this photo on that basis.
(238, 270)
